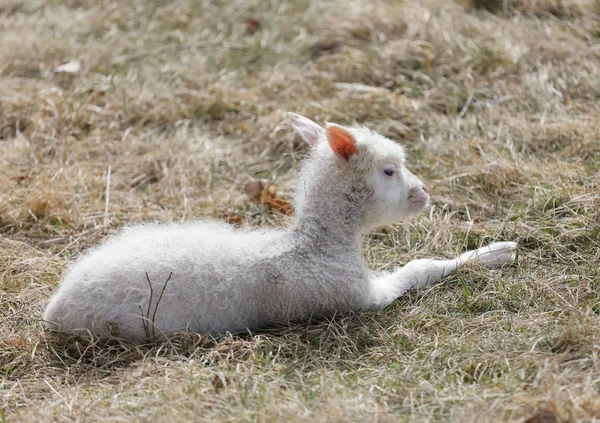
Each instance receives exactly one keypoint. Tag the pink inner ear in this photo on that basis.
(341, 142)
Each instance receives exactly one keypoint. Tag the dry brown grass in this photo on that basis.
(184, 102)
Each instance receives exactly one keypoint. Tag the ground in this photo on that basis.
(129, 111)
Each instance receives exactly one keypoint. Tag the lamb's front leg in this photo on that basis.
(422, 273)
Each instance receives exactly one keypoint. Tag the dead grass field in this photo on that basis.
(498, 104)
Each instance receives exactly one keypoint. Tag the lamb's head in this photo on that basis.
(369, 164)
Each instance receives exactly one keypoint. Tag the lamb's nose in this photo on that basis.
(425, 188)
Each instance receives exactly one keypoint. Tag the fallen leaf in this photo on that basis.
(252, 25)
(266, 193)
(231, 218)
(281, 206)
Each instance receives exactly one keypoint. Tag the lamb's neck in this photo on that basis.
(330, 221)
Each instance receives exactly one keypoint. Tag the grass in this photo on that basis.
(185, 101)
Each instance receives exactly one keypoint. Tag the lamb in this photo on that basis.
(208, 277)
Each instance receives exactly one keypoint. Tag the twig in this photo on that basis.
(146, 321)
(158, 302)
(149, 301)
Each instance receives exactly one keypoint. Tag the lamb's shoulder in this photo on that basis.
(291, 262)
(294, 282)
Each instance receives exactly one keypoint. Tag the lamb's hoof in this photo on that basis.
(497, 254)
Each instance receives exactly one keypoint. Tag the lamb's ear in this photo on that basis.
(341, 141)
(307, 129)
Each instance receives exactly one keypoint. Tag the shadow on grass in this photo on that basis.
(336, 342)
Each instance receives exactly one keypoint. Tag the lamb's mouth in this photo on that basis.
(418, 204)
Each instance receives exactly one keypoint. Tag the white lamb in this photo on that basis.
(207, 277)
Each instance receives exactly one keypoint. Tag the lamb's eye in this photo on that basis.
(389, 172)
